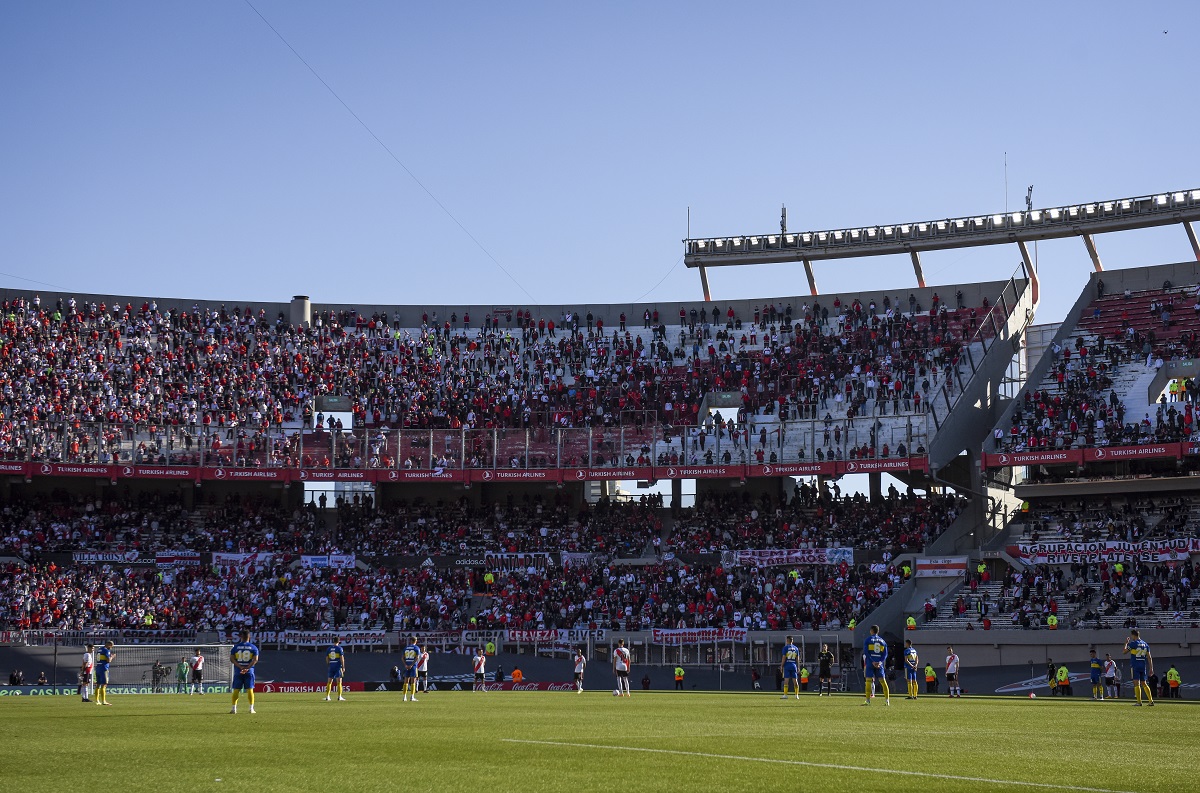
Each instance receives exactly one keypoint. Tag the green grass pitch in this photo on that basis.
(561, 741)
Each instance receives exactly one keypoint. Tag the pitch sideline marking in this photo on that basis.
(835, 766)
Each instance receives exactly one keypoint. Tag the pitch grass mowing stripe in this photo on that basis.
(834, 766)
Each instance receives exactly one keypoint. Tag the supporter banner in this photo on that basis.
(1070, 552)
(674, 637)
(481, 638)
(440, 638)
(561, 638)
(946, 567)
(517, 561)
(245, 474)
(157, 472)
(593, 474)
(338, 561)
(325, 638)
(701, 472)
(18, 469)
(1105, 454)
(876, 466)
(516, 475)
(1049, 457)
(793, 469)
(334, 475)
(792, 556)
(115, 557)
(177, 558)
(243, 560)
(569, 558)
(417, 475)
(65, 469)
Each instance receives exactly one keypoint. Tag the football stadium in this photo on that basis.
(929, 528)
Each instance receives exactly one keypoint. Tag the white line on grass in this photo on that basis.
(834, 766)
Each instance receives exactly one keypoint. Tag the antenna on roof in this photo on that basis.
(783, 220)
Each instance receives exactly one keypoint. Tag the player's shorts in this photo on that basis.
(243, 680)
(789, 672)
(911, 674)
(101, 677)
(951, 677)
(410, 674)
(335, 671)
(622, 673)
(825, 673)
(875, 671)
(1139, 674)
(479, 677)
(423, 674)
(85, 677)
(1110, 681)
(579, 677)
(197, 675)
(1095, 680)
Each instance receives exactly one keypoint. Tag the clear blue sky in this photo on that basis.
(180, 149)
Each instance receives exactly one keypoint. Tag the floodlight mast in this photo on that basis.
(1075, 220)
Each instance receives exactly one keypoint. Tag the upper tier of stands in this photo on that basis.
(1095, 393)
(840, 378)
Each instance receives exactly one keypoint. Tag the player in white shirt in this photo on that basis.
(1111, 689)
(197, 664)
(479, 665)
(580, 662)
(622, 666)
(85, 673)
(953, 684)
(423, 670)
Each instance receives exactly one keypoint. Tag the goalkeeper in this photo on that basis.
(181, 675)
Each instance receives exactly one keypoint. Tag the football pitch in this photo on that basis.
(530, 741)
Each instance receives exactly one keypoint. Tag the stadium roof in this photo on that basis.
(1075, 220)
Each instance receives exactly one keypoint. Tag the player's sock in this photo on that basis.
(235, 697)
(1149, 696)
(887, 692)
(339, 689)
(868, 690)
(250, 694)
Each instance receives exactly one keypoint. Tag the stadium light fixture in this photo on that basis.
(790, 239)
(1016, 218)
(855, 234)
(888, 231)
(1160, 200)
(771, 240)
(1180, 198)
(960, 224)
(1036, 216)
(941, 225)
(1127, 204)
(1090, 209)
(807, 238)
(1108, 206)
(1055, 214)
(1073, 211)
(1196, 195)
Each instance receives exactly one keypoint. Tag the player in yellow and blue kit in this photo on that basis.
(875, 653)
(336, 657)
(1096, 667)
(244, 656)
(911, 666)
(789, 667)
(104, 657)
(1141, 664)
(408, 668)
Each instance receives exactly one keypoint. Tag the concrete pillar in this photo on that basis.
(676, 493)
(875, 483)
(301, 314)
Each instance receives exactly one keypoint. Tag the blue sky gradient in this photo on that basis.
(181, 149)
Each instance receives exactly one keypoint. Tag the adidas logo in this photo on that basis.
(428, 562)
(381, 687)
(457, 687)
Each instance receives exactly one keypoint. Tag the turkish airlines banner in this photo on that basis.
(947, 567)
(1048, 457)
(72, 469)
(418, 475)
(548, 475)
(1071, 552)
(16, 469)
(1106, 454)
(245, 474)
(157, 472)
(274, 687)
(701, 472)
(673, 637)
(792, 556)
(793, 469)
(879, 466)
(595, 474)
(333, 475)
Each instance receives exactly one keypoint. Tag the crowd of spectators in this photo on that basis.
(1109, 519)
(90, 382)
(815, 518)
